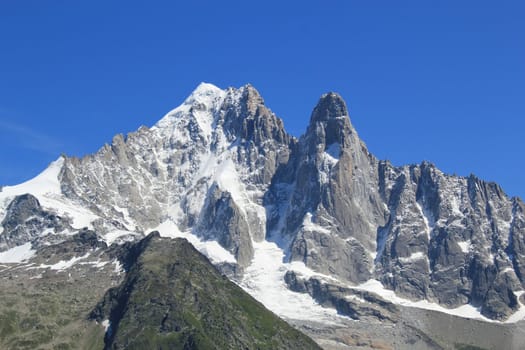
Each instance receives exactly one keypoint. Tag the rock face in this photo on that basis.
(355, 304)
(222, 167)
(222, 219)
(422, 233)
(25, 220)
(216, 142)
(173, 298)
(450, 239)
(330, 214)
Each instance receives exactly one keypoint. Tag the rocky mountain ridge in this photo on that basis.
(221, 168)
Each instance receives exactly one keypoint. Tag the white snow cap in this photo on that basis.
(206, 94)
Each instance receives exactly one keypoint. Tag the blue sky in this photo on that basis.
(424, 80)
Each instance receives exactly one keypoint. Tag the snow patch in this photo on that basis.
(228, 180)
(99, 264)
(428, 223)
(520, 314)
(46, 188)
(113, 236)
(212, 249)
(64, 264)
(264, 280)
(466, 311)
(118, 267)
(44, 183)
(310, 226)
(17, 254)
(465, 246)
(205, 94)
(302, 270)
(413, 257)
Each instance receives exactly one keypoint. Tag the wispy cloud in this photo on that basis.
(28, 138)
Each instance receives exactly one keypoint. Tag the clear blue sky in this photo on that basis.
(424, 80)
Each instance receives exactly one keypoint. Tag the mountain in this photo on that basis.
(296, 222)
(174, 298)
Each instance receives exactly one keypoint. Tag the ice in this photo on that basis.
(17, 254)
(264, 280)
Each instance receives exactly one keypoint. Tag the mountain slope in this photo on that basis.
(221, 171)
(173, 298)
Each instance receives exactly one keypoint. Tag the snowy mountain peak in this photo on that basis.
(205, 99)
(206, 89)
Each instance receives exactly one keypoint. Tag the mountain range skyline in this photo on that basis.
(314, 228)
(438, 82)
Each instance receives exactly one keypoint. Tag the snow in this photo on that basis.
(520, 314)
(125, 214)
(212, 249)
(228, 180)
(310, 226)
(205, 94)
(118, 267)
(465, 246)
(99, 264)
(302, 270)
(466, 311)
(46, 188)
(328, 159)
(507, 270)
(106, 325)
(413, 257)
(352, 297)
(454, 203)
(44, 183)
(425, 216)
(114, 235)
(64, 264)
(17, 254)
(264, 280)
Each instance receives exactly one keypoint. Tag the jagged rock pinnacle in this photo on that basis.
(330, 106)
